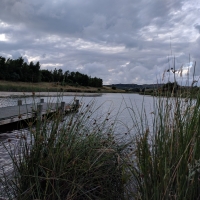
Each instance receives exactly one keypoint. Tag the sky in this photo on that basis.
(120, 41)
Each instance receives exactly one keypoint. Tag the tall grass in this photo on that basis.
(167, 151)
(75, 158)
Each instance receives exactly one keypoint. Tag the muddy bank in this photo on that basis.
(45, 94)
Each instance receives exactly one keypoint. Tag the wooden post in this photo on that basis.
(39, 112)
(77, 103)
(62, 107)
(19, 102)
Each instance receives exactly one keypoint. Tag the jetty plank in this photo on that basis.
(13, 114)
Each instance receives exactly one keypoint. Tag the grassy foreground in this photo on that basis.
(167, 153)
(85, 158)
(79, 158)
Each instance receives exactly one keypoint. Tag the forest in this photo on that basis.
(19, 70)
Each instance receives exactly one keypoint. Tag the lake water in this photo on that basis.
(120, 106)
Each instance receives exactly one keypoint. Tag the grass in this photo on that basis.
(182, 92)
(51, 87)
(167, 150)
(79, 158)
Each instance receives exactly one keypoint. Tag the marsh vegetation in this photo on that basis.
(86, 157)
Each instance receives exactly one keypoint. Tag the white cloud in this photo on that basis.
(3, 37)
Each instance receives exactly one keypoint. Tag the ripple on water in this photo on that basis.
(8, 142)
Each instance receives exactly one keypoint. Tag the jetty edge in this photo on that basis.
(16, 117)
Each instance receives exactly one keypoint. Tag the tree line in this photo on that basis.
(19, 70)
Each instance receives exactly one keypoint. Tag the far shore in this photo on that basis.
(25, 89)
(45, 94)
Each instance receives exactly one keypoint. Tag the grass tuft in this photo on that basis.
(73, 159)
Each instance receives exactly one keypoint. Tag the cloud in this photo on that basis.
(197, 26)
(120, 41)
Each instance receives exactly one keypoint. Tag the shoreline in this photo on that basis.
(45, 94)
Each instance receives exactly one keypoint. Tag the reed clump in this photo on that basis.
(167, 150)
(75, 158)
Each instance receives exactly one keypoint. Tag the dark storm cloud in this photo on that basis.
(120, 41)
(197, 26)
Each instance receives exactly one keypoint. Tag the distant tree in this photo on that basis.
(18, 70)
(14, 77)
(136, 90)
(26, 74)
(34, 72)
(58, 75)
(2, 68)
(72, 77)
(95, 82)
(170, 87)
(46, 75)
(113, 87)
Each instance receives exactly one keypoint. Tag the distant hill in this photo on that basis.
(134, 86)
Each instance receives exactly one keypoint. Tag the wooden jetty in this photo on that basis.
(21, 113)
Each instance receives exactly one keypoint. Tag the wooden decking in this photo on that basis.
(14, 114)
(17, 113)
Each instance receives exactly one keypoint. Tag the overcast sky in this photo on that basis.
(120, 41)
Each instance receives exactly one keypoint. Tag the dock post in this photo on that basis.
(62, 107)
(19, 103)
(77, 104)
(39, 112)
(41, 100)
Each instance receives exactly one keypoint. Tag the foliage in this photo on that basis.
(18, 70)
(136, 89)
(113, 87)
(83, 158)
(171, 87)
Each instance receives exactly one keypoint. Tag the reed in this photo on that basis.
(78, 157)
(167, 155)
